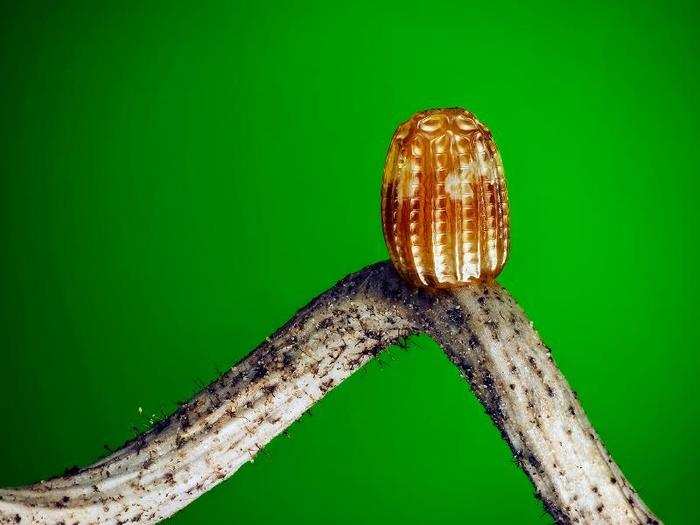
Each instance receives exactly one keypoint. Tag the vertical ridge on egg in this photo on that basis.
(444, 200)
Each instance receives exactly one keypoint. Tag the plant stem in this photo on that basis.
(481, 329)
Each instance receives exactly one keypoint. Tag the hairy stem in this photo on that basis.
(480, 328)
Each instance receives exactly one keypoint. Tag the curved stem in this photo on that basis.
(480, 328)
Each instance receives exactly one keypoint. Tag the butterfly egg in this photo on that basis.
(444, 200)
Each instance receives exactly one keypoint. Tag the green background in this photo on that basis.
(178, 178)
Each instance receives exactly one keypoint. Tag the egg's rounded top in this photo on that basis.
(444, 200)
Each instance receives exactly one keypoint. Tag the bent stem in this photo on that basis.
(481, 329)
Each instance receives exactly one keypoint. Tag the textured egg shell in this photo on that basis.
(444, 200)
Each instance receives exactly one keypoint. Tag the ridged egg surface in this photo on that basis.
(444, 200)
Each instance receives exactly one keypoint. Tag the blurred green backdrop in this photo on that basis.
(178, 178)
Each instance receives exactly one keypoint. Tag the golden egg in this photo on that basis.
(444, 200)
